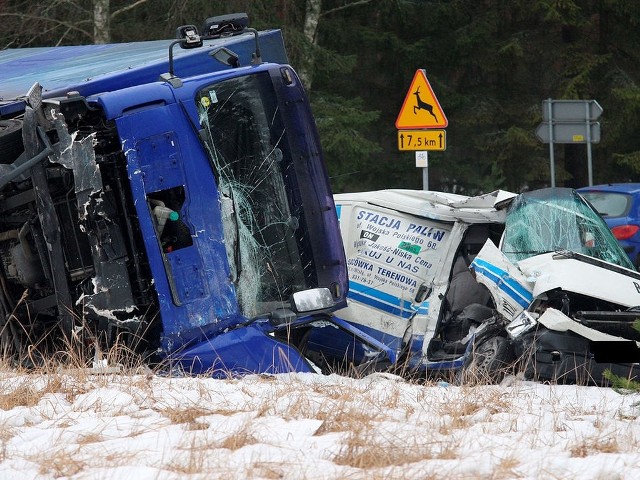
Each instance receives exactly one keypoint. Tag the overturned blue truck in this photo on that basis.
(168, 197)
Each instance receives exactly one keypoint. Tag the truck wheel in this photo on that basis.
(10, 140)
(489, 361)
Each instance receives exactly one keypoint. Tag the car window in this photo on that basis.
(609, 204)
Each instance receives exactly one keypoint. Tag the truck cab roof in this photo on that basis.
(93, 69)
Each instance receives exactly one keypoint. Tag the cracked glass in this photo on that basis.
(245, 139)
(551, 220)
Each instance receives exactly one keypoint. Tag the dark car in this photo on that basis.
(619, 205)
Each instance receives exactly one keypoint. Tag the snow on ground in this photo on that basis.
(307, 426)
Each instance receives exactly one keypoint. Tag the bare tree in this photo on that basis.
(58, 21)
(311, 21)
(26, 23)
(102, 19)
(313, 14)
(101, 30)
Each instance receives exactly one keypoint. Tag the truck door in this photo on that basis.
(168, 169)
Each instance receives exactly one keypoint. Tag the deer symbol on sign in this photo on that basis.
(422, 105)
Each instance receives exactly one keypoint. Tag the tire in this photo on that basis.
(489, 362)
(10, 140)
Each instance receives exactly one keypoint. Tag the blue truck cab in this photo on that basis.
(172, 201)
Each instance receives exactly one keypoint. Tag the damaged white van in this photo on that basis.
(447, 282)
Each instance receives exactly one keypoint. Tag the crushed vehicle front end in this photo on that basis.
(475, 287)
(566, 287)
(185, 219)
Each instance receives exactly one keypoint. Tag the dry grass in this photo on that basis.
(595, 446)
(354, 410)
(119, 458)
(240, 439)
(187, 414)
(355, 413)
(267, 470)
(344, 417)
(59, 464)
(506, 469)
(6, 434)
(366, 451)
(22, 396)
(190, 463)
(89, 438)
(457, 413)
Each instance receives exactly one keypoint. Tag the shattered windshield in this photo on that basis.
(245, 138)
(555, 219)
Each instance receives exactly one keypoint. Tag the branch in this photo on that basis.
(62, 37)
(343, 7)
(128, 7)
(45, 19)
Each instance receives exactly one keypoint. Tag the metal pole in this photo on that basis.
(425, 173)
(422, 161)
(588, 120)
(551, 159)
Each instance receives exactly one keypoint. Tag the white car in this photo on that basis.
(443, 282)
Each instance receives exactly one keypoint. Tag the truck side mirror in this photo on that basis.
(312, 300)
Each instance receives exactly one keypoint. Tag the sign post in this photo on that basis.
(569, 121)
(421, 124)
(422, 161)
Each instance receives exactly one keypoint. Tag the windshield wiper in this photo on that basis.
(237, 252)
(564, 254)
(529, 252)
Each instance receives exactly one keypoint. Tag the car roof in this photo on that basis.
(487, 208)
(613, 187)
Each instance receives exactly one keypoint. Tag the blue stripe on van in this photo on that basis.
(502, 279)
(384, 301)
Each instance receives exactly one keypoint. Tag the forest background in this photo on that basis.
(491, 63)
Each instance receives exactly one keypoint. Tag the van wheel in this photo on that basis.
(489, 362)
(10, 140)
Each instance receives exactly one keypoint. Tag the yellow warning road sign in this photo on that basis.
(421, 108)
(422, 140)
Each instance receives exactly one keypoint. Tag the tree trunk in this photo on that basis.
(311, 20)
(101, 30)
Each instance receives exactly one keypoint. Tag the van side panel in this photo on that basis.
(389, 255)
